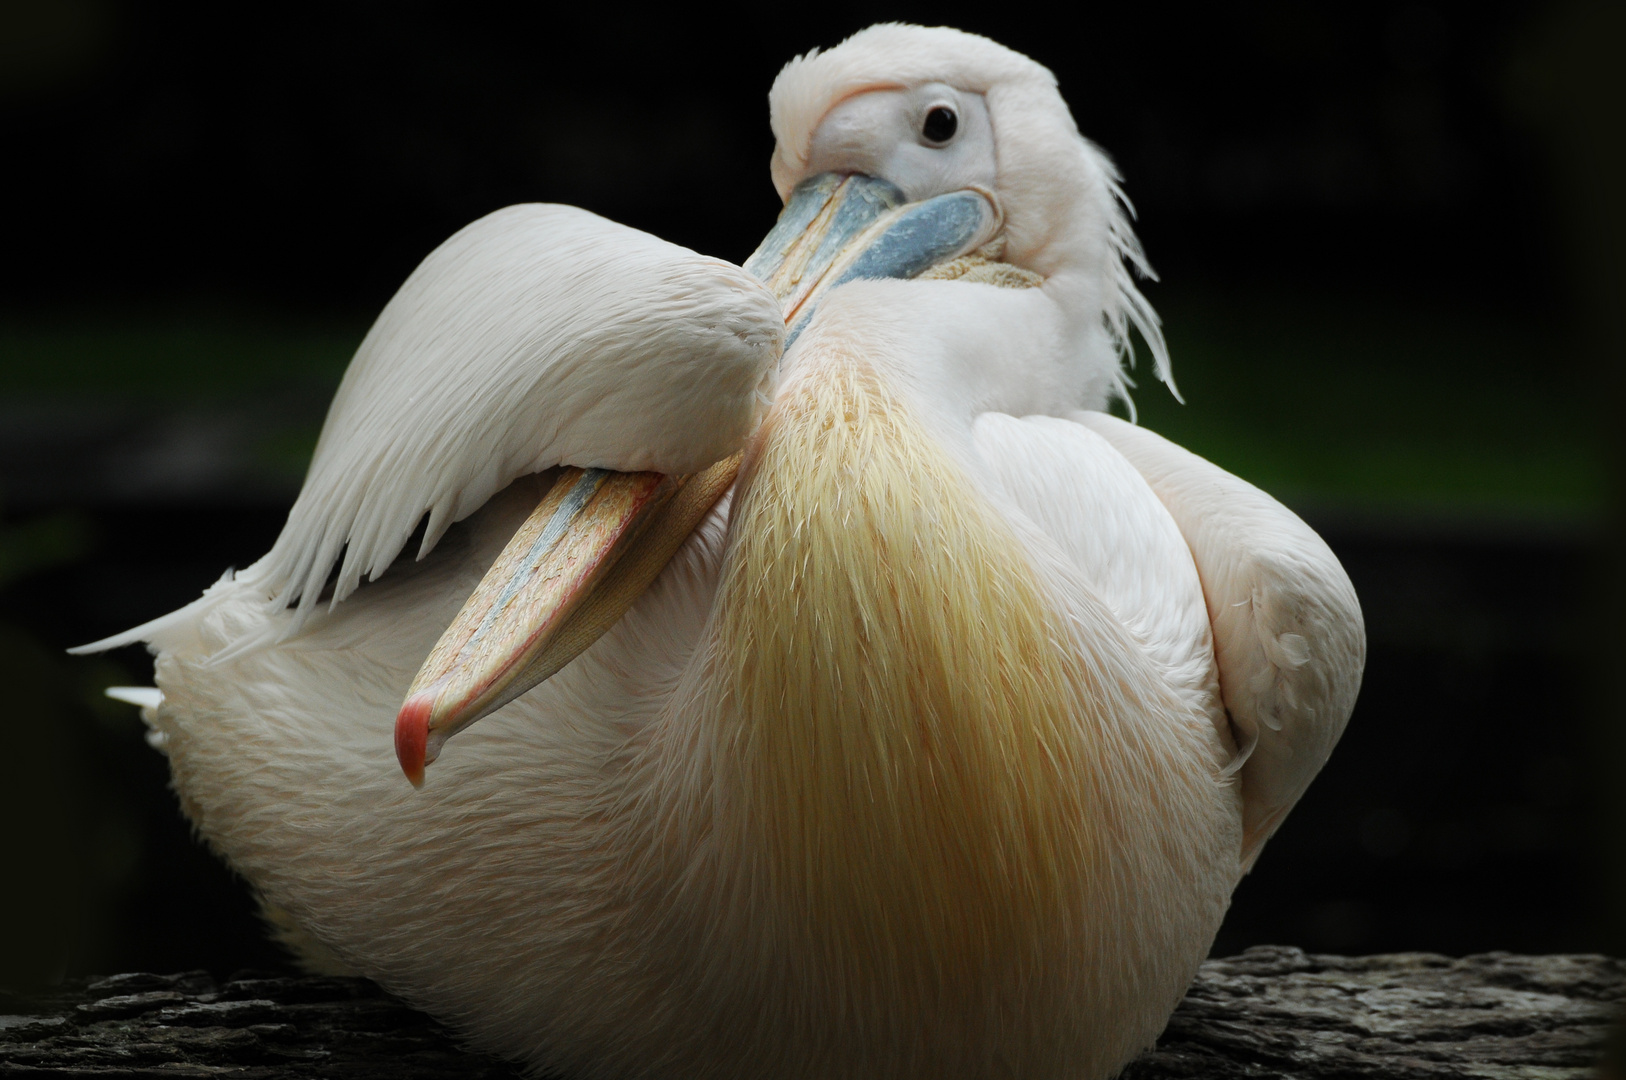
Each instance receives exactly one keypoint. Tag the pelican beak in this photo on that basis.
(599, 538)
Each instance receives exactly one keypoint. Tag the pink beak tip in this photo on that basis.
(412, 736)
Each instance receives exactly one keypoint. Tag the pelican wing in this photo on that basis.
(1287, 627)
(1081, 493)
(538, 335)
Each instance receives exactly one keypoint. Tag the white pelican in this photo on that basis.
(937, 747)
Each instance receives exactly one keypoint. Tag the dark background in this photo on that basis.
(1390, 238)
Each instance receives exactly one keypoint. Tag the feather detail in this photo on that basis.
(535, 336)
(1288, 633)
(166, 630)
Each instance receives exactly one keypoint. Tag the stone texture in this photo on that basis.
(1407, 1016)
(254, 1028)
(1271, 1012)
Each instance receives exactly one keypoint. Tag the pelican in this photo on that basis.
(837, 689)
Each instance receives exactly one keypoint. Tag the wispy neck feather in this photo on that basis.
(910, 801)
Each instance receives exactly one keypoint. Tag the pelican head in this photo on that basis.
(934, 110)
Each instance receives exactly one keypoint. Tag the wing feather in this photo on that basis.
(536, 336)
(1288, 632)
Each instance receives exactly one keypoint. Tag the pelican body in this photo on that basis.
(837, 689)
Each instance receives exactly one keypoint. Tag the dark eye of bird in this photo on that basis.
(940, 126)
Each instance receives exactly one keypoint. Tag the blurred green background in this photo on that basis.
(1390, 242)
(1380, 405)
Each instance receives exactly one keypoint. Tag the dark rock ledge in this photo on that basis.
(1272, 1012)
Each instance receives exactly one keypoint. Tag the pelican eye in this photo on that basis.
(940, 125)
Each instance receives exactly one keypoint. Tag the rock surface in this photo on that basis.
(1271, 1012)
(1277, 1012)
(252, 1027)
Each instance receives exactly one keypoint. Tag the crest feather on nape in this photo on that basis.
(885, 55)
(1127, 306)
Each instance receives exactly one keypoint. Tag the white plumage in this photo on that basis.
(535, 336)
(937, 749)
